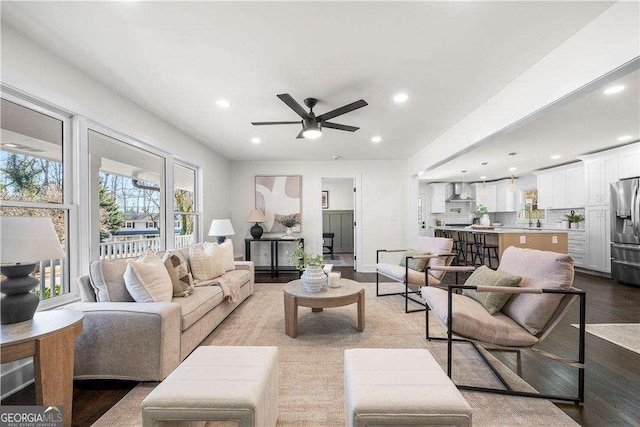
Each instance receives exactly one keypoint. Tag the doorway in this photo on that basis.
(338, 221)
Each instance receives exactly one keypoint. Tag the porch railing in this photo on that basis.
(131, 248)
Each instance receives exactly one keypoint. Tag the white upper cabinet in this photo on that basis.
(489, 199)
(629, 162)
(505, 199)
(438, 197)
(600, 172)
(561, 188)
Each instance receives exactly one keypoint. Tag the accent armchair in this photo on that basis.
(437, 253)
(535, 307)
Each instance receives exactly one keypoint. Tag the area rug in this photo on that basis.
(626, 335)
(311, 365)
(339, 260)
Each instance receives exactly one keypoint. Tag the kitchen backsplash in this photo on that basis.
(456, 213)
(553, 217)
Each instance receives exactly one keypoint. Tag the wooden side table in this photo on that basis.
(49, 337)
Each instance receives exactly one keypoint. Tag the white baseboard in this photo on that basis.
(14, 376)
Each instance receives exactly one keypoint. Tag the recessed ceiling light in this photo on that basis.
(223, 103)
(400, 98)
(512, 169)
(256, 140)
(483, 177)
(376, 139)
(10, 145)
(420, 173)
(556, 157)
(336, 157)
(620, 138)
(613, 89)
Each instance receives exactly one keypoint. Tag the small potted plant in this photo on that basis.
(289, 222)
(484, 214)
(313, 278)
(574, 219)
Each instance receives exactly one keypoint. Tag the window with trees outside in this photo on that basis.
(33, 181)
(186, 218)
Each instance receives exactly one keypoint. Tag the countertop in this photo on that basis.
(507, 230)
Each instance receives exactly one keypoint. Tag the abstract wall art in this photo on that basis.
(277, 197)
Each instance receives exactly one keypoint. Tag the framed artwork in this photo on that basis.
(278, 197)
(325, 200)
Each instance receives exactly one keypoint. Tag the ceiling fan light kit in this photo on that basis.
(311, 124)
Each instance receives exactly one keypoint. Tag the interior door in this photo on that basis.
(422, 214)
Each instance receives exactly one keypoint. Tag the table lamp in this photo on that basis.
(24, 242)
(256, 216)
(221, 228)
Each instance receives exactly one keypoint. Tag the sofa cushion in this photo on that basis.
(148, 280)
(207, 264)
(203, 300)
(178, 269)
(107, 279)
(470, 319)
(415, 264)
(228, 262)
(484, 276)
(538, 269)
(435, 245)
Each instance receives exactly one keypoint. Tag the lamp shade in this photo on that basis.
(28, 239)
(256, 216)
(221, 227)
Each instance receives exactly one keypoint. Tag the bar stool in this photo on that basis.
(450, 234)
(465, 247)
(438, 233)
(483, 250)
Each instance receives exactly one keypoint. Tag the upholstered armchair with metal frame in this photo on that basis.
(438, 262)
(533, 310)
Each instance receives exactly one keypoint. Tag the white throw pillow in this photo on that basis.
(207, 264)
(148, 280)
(227, 255)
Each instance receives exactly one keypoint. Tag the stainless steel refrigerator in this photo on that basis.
(625, 237)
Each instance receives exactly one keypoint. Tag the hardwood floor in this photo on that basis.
(612, 385)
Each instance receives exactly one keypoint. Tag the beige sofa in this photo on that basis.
(128, 340)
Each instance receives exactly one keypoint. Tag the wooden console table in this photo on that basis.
(49, 337)
(273, 247)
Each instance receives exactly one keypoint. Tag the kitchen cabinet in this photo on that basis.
(490, 199)
(598, 238)
(505, 199)
(577, 245)
(599, 173)
(438, 197)
(629, 162)
(561, 188)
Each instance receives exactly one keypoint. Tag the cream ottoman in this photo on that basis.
(400, 387)
(237, 384)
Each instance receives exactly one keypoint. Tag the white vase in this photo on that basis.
(289, 231)
(485, 220)
(313, 278)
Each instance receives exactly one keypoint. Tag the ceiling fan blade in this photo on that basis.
(300, 135)
(342, 110)
(275, 123)
(293, 104)
(339, 126)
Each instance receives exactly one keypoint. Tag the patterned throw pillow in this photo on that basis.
(415, 264)
(179, 272)
(207, 264)
(484, 276)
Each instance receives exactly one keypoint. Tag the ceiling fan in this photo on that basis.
(311, 124)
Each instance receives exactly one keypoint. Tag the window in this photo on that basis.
(33, 181)
(186, 217)
(127, 185)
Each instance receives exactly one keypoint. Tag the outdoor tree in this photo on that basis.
(22, 174)
(184, 203)
(111, 217)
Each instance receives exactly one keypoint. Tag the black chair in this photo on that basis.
(328, 244)
(484, 250)
(466, 248)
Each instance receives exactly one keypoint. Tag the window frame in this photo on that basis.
(197, 211)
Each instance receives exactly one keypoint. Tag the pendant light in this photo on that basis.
(464, 194)
(512, 185)
(484, 191)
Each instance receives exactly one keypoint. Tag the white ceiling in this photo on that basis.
(590, 123)
(176, 58)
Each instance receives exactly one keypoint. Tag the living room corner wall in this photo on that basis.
(40, 74)
(381, 202)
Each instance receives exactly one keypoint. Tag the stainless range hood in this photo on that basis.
(457, 196)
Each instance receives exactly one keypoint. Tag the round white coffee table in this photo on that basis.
(294, 295)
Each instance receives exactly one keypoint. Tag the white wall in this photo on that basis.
(381, 202)
(609, 41)
(340, 193)
(37, 72)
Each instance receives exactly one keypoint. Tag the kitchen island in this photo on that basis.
(555, 240)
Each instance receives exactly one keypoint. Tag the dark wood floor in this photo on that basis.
(612, 392)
